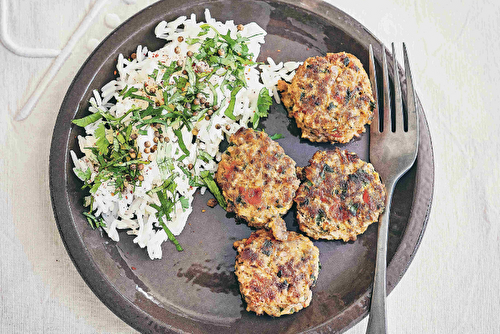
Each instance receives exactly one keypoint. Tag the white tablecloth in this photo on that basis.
(452, 286)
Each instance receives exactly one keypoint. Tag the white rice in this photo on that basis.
(132, 210)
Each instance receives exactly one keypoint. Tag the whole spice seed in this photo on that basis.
(212, 202)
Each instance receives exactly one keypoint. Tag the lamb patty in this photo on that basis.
(340, 197)
(258, 180)
(330, 98)
(275, 277)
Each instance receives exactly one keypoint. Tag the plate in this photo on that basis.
(196, 290)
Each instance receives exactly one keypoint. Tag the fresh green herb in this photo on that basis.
(178, 133)
(170, 236)
(184, 203)
(230, 108)
(214, 189)
(203, 155)
(263, 103)
(191, 41)
(102, 143)
(84, 121)
(277, 136)
(93, 221)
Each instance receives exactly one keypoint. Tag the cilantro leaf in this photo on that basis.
(214, 189)
(84, 121)
(102, 143)
(263, 103)
(230, 107)
(277, 136)
(83, 175)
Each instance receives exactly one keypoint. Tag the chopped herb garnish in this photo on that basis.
(214, 189)
(230, 108)
(277, 136)
(178, 94)
(263, 103)
(83, 122)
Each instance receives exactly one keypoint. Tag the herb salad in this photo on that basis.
(153, 134)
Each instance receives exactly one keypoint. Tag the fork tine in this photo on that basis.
(410, 91)
(373, 78)
(386, 125)
(398, 102)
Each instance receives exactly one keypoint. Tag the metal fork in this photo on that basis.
(393, 150)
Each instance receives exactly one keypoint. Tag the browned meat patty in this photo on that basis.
(276, 277)
(340, 197)
(330, 98)
(258, 180)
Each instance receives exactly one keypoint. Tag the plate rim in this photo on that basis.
(81, 257)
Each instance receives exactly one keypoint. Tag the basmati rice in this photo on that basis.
(134, 208)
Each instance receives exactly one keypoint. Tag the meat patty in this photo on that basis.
(276, 277)
(341, 195)
(330, 98)
(258, 180)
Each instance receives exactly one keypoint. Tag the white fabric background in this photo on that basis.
(452, 286)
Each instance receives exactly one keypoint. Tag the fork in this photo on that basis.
(393, 150)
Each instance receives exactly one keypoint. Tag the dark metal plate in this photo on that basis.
(196, 290)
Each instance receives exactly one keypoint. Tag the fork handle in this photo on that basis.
(377, 323)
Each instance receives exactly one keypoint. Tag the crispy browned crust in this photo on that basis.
(330, 98)
(340, 197)
(276, 277)
(258, 180)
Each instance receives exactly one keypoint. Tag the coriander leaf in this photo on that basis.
(171, 69)
(170, 235)
(190, 72)
(178, 133)
(83, 175)
(263, 103)
(214, 92)
(127, 92)
(191, 41)
(102, 143)
(184, 203)
(214, 189)
(84, 121)
(230, 107)
(277, 136)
